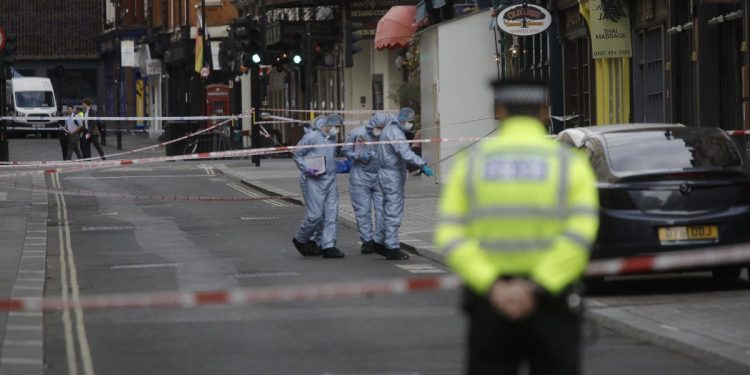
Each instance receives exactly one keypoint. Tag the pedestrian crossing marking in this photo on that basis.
(420, 268)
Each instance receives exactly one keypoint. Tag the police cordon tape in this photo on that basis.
(19, 164)
(91, 165)
(672, 261)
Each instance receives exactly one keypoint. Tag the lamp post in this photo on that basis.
(118, 53)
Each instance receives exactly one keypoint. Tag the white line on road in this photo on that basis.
(23, 342)
(107, 228)
(3, 196)
(21, 361)
(420, 268)
(261, 218)
(261, 275)
(83, 342)
(35, 327)
(66, 320)
(254, 195)
(106, 214)
(141, 266)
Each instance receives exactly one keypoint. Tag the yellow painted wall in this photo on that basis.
(612, 84)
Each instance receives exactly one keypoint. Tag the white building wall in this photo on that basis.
(457, 66)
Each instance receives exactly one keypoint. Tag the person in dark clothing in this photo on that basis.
(92, 131)
(62, 136)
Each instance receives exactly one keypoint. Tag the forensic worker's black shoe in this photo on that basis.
(332, 252)
(306, 249)
(379, 249)
(314, 249)
(367, 247)
(396, 254)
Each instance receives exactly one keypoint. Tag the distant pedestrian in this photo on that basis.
(364, 186)
(62, 136)
(517, 220)
(92, 129)
(74, 126)
(393, 158)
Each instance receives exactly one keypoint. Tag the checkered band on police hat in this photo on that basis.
(519, 92)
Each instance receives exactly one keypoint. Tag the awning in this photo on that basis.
(396, 27)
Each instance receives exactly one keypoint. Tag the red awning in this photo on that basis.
(396, 27)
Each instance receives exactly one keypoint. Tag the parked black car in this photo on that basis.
(665, 188)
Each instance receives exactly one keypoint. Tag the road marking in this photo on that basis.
(23, 328)
(28, 287)
(25, 313)
(3, 196)
(21, 361)
(67, 322)
(261, 218)
(138, 176)
(83, 342)
(254, 195)
(670, 328)
(141, 266)
(420, 268)
(107, 228)
(107, 214)
(24, 342)
(208, 168)
(261, 275)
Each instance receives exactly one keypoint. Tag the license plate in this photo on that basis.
(37, 126)
(689, 233)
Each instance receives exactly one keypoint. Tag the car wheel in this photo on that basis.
(726, 274)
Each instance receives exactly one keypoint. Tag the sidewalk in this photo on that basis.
(713, 333)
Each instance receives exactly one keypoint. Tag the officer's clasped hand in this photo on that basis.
(366, 157)
(515, 298)
(427, 170)
(312, 172)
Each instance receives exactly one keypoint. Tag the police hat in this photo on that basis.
(518, 91)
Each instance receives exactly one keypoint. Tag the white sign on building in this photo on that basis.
(127, 53)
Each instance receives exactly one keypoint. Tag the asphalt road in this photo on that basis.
(126, 245)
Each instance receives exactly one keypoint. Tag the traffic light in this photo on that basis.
(323, 54)
(9, 52)
(297, 49)
(248, 40)
(350, 38)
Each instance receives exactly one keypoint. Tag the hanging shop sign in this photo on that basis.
(524, 19)
(609, 38)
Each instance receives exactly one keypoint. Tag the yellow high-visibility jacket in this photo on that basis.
(520, 204)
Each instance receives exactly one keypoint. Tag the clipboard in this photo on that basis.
(317, 162)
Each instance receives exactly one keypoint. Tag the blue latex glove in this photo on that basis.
(427, 170)
(311, 172)
(366, 157)
(343, 166)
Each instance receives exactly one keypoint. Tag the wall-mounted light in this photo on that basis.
(515, 49)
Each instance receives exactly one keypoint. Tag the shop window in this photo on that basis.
(578, 80)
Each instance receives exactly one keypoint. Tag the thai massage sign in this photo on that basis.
(610, 30)
(524, 19)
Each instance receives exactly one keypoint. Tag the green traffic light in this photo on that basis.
(297, 59)
(256, 58)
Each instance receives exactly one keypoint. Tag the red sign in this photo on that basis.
(2, 39)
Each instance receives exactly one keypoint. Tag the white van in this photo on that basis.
(32, 101)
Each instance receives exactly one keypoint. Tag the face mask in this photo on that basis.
(408, 125)
(376, 132)
(333, 131)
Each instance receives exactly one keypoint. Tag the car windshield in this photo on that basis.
(35, 99)
(670, 149)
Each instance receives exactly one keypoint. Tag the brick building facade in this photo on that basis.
(52, 33)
